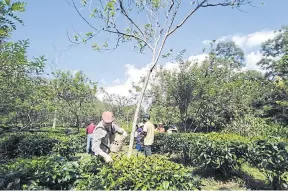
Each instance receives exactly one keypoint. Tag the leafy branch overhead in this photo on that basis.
(8, 17)
(146, 22)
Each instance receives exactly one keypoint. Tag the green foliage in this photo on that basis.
(69, 146)
(223, 152)
(226, 152)
(251, 126)
(207, 96)
(22, 89)
(275, 62)
(142, 173)
(52, 172)
(231, 52)
(26, 145)
(8, 17)
(56, 172)
(271, 157)
(41, 144)
(74, 90)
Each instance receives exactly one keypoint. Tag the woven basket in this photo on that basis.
(117, 144)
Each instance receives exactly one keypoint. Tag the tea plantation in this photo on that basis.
(56, 160)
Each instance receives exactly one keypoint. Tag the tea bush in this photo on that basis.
(70, 145)
(220, 152)
(271, 157)
(27, 145)
(141, 173)
(54, 172)
(226, 152)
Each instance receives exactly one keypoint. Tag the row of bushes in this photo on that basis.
(27, 145)
(89, 173)
(226, 153)
(49, 160)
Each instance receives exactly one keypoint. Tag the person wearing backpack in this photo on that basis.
(103, 135)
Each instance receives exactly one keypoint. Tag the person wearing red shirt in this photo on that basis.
(89, 131)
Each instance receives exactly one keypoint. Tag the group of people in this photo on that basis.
(101, 136)
(141, 139)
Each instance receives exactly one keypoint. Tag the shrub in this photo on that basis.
(141, 173)
(26, 145)
(70, 145)
(219, 152)
(270, 157)
(252, 126)
(54, 172)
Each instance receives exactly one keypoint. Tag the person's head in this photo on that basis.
(107, 118)
(146, 117)
(160, 124)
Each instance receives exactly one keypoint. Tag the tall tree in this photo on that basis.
(19, 79)
(275, 62)
(75, 91)
(159, 20)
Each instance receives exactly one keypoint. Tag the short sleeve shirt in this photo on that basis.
(149, 129)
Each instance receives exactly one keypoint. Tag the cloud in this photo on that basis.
(133, 76)
(122, 88)
(116, 82)
(252, 59)
(248, 41)
(198, 58)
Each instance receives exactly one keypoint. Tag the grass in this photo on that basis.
(212, 184)
(254, 172)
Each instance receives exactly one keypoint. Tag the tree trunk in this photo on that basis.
(77, 123)
(184, 125)
(137, 113)
(55, 119)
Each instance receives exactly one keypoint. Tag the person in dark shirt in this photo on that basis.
(89, 130)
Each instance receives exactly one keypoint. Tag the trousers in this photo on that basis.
(89, 143)
(147, 150)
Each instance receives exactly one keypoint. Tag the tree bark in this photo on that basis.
(77, 123)
(137, 112)
(55, 119)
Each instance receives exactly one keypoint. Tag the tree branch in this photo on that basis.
(110, 31)
(129, 35)
(82, 16)
(186, 18)
(123, 11)
(165, 38)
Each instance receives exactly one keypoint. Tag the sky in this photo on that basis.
(47, 24)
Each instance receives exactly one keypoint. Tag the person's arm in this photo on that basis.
(99, 133)
(119, 130)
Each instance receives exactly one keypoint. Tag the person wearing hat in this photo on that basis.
(148, 132)
(161, 128)
(103, 136)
